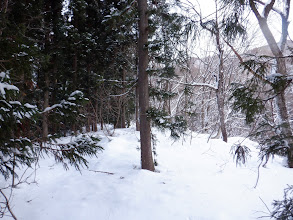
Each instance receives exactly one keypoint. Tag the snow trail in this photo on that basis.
(194, 180)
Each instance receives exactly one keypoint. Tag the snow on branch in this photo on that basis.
(273, 8)
(204, 84)
(51, 108)
(6, 86)
(192, 83)
(268, 7)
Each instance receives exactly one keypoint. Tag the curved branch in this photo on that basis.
(254, 9)
(192, 84)
(247, 67)
(7, 205)
(268, 8)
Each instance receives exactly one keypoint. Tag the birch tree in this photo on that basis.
(277, 78)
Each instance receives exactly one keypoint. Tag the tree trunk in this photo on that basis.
(45, 131)
(96, 115)
(281, 68)
(220, 90)
(101, 118)
(137, 109)
(285, 124)
(166, 104)
(145, 128)
(123, 101)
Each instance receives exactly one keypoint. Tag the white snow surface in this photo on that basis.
(195, 180)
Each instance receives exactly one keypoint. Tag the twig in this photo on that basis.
(265, 204)
(7, 205)
(98, 171)
(257, 175)
(125, 93)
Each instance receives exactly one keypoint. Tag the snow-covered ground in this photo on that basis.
(195, 180)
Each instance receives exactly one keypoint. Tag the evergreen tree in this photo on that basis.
(31, 40)
(167, 52)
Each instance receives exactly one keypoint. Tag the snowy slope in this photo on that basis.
(194, 180)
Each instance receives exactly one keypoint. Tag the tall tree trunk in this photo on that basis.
(74, 66)
(45, 115)
(46, 79)
(215, 31)
(123, 101)
(137, 124)
(96, 114)
(220, 89)
(281, 68)
(145, 128)
(101, 118)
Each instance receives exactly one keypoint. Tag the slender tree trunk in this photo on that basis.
(220, 90)
(123, 117)
(101, 119)
(123, 101)
(137, 97)
(137, 109)
(167, 102)
(145, 128)
(74, 65)
(96, 115)
(45, 105)
(220, 78)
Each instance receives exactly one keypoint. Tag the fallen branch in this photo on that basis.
(7, 205)
(98, 171)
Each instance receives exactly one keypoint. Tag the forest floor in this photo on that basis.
(195, 179)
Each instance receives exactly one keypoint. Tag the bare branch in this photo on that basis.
(268, 8)
(254, 9)
(191, 84)
(7, 205)
(125, 93)
(242, 61)
(98, 171)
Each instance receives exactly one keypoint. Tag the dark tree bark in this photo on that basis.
(45, 115)
(123, 107)
(145, 128)
(45, 105)
(96, 114)
(137, 109)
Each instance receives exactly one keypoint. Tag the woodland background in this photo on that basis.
(71, 67)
